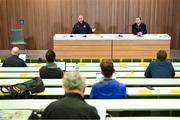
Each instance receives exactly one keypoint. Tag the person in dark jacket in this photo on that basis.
(108, 88)
(14, 60)
(50, 70)
(72, 105)
(161, 67)
(139, 28)
(82, 27)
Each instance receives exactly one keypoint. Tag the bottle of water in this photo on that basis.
(77, 67)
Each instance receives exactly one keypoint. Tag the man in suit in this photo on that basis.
(160, 68)
(72, 105)
(139, 28)
(14, 60)
(82, 27)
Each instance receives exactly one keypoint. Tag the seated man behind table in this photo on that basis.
(139, 28)
(14, 60)
(160, 68)
(72, 105)
(82, 27)
(109, 88)
(50, 70)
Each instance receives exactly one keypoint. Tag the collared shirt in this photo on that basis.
(108, 89)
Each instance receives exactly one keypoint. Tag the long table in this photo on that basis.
(132, 92)
(110, 45)
(88, 75)
(143, 118)
(109, 104)
(90, 82)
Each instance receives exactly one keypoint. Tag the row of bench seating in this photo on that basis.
(40, 60)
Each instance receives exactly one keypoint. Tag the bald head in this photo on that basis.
(80, 18)
(15, 51)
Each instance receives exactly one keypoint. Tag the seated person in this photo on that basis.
(14, 60)
(72, 105)
(160, 68)
(139, 28)
(109, 88)
(82, 27)
(50, 70)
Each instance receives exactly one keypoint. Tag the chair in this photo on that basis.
(17, 37)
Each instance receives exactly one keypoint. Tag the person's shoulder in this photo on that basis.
(119, 83)
(169, 62)
(134, 24)
(143, 24)
(54, 103)
(76, 23)
(86, 23)
(153, 62)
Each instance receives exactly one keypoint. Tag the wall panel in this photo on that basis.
(44, 18)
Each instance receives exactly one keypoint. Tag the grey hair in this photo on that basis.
(73, 80)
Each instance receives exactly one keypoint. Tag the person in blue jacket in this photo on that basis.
(108, 88)
(161, 67)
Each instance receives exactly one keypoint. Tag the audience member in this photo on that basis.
(14, 60)
(50, 70)
(72, 105)
(160, 68)
(109, 88)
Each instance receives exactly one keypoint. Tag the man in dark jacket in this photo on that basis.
(51, 70)
(160, 68)
(72, 105)
(82, 27)
(139, 28)
(14, 60)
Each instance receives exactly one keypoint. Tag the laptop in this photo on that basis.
(22, 56)
(100, 77)
(61, 65)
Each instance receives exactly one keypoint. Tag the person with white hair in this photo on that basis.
(72, 105)
(14, 60)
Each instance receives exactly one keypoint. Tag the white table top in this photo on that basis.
(81, 68)
(119, 64)
(110, 104)
(90, 82)
(15, 114)
(111, 37)
(85, 74)
(131, 91)
(143, 118)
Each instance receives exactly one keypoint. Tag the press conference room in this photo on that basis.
(90, 59)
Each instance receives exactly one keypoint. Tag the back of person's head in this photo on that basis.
(15, 51)
(161, 55)
(107, 67)
(74, 81)
(50, 56)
